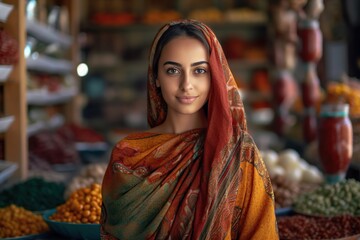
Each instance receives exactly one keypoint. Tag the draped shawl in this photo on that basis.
(201, 184)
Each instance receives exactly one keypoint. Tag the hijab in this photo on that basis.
(226, 123)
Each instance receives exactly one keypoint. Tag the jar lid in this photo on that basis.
(308, 23)
(334, 110)
(281, 73)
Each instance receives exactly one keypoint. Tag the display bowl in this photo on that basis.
(29, 237)
(287, 211)
(86, 231)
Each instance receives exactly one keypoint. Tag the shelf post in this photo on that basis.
(72, 110)
(15, 94)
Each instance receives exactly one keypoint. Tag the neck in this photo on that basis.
(179, 123)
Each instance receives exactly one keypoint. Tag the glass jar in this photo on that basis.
(335, 141)
(309, 125)
(280, 121)
(284, 88)
(310, 36)
(310, 87)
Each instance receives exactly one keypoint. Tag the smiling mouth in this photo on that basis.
(186, 100)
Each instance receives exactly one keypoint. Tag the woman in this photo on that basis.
(196, 174)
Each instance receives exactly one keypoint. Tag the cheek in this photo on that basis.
(167, 90)
(206, 88)
(168, 86)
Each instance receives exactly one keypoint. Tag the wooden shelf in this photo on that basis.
(16, 97)
(5, 123)
(49, 65)
(146, 28)
(5, 71)
(53, 123)
(237, 65)
(15, 94)
(5, 10)
(7, 169)
(47, 34)
(45, 98)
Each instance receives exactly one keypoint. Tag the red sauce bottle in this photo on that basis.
(310, 48)
(335, 141)
(309, 125)
(310, 87)
(284, 88)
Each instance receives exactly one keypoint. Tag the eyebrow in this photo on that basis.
(193, 64)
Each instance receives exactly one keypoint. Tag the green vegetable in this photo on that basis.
(34, 194)
(331, 200)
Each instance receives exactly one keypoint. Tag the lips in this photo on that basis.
(187, 99)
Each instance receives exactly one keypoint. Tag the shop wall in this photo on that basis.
(116, 37)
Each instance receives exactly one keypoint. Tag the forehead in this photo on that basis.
(184, 47)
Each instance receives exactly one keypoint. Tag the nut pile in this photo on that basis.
(83, 206)
(17, 221)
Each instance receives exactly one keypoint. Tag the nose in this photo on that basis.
(186, 82)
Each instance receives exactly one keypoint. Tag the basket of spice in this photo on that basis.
(18, 223)
(34, 194)
(79, 216)
(331, 211)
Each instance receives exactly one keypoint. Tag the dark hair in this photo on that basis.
(176, 30)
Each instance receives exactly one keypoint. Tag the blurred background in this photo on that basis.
(74, 72)
(73, 78)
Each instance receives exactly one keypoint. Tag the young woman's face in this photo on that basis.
(184, 75)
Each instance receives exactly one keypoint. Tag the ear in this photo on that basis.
(157, 83)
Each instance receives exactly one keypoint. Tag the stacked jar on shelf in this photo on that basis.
(52, 85)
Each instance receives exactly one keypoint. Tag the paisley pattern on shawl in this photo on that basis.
(151, 179)
(201, 184)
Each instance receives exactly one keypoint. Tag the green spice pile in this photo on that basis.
(34, 194)
(331, 200)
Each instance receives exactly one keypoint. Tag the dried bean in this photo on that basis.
(305, 227)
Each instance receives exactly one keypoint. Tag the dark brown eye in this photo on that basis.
(172, 71)
(200, 71)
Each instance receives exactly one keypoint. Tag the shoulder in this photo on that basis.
(133, 140)
(249, 150)
(248, 139)
(128, 145)
(131, 137)
(156, 129)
